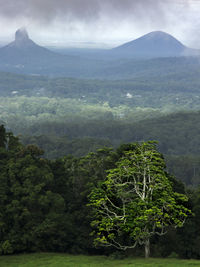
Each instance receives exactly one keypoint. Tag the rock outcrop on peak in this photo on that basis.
(21, 35)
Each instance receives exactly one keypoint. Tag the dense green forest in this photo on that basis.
(44, 207)
(63, 126)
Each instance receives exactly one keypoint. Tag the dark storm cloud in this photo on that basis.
(83, 10)
(47, 10)
(109, 19)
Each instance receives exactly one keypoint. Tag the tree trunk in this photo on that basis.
(147, 248)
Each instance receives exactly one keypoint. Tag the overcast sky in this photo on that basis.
(111, 22)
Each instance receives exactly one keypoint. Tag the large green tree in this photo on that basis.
(136, 200)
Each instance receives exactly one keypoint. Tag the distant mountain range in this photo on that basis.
(24, 56)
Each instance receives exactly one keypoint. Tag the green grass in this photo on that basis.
(65, 260)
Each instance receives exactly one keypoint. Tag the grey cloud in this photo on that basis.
(48, 10)
(83, 10)
(117, 19)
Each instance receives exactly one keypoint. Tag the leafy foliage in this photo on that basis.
(43, 203)
(136, 199)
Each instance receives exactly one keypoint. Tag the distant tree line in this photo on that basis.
(178, 136)
(43, 203)
(75, 126)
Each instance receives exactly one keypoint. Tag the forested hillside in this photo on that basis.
(44, 202)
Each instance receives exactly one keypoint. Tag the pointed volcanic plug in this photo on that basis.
(24, 51)
(21, 35)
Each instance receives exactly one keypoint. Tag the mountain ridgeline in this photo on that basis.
(129, 60)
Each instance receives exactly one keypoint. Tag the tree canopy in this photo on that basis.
(43, 203)
(136, 200)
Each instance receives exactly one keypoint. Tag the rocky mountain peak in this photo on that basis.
(21, 35)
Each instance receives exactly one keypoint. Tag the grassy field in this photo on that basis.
(64, 260)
